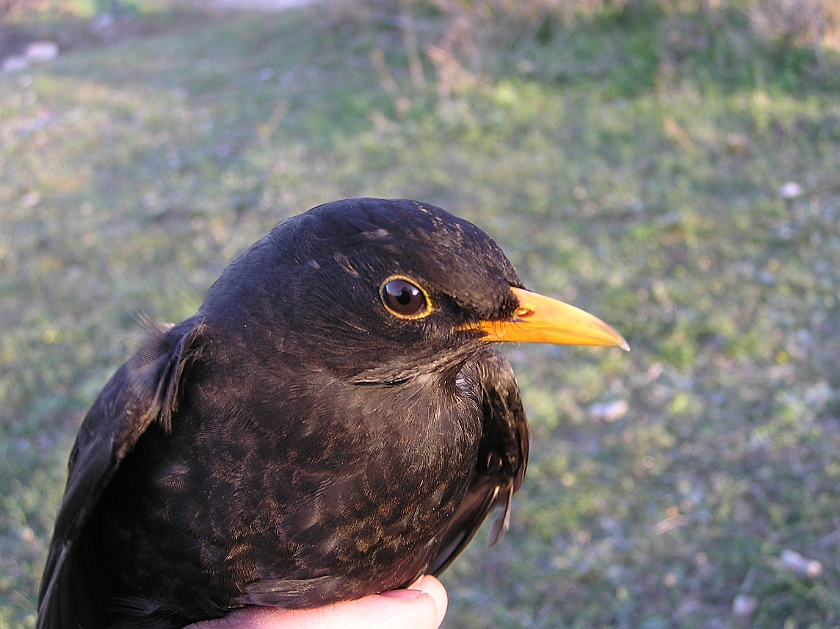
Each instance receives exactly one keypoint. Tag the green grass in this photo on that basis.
(643, 191)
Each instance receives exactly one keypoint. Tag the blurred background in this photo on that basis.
(669, 165)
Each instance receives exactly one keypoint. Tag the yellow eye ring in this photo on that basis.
(404, 298)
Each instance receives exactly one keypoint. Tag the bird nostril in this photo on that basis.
(523, 311)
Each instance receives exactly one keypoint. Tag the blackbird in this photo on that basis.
(333, 422)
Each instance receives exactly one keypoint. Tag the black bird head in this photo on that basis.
(379, 290)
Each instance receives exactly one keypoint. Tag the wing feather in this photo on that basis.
(501, 462)
(142, 391)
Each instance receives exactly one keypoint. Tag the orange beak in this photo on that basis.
(541, 319)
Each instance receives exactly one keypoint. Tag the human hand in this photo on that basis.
(421, 606)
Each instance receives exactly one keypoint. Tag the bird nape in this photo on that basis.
(333, 422)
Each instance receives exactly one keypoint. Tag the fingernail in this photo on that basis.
(403, 594)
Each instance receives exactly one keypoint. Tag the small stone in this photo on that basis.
(609, 411)
(799, 565)
(736, 143)
(790, 190)
(744, 606)
(30, 199)
(42, 51)
(15, 63)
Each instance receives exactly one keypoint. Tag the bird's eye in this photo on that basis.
(404, 299)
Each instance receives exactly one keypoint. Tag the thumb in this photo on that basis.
(421, 606)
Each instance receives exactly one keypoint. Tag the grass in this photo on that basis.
(622, 167)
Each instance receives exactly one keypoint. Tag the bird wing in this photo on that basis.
(502, 459)
(142, 391)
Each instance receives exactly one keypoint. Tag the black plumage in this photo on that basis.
(333, 422)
